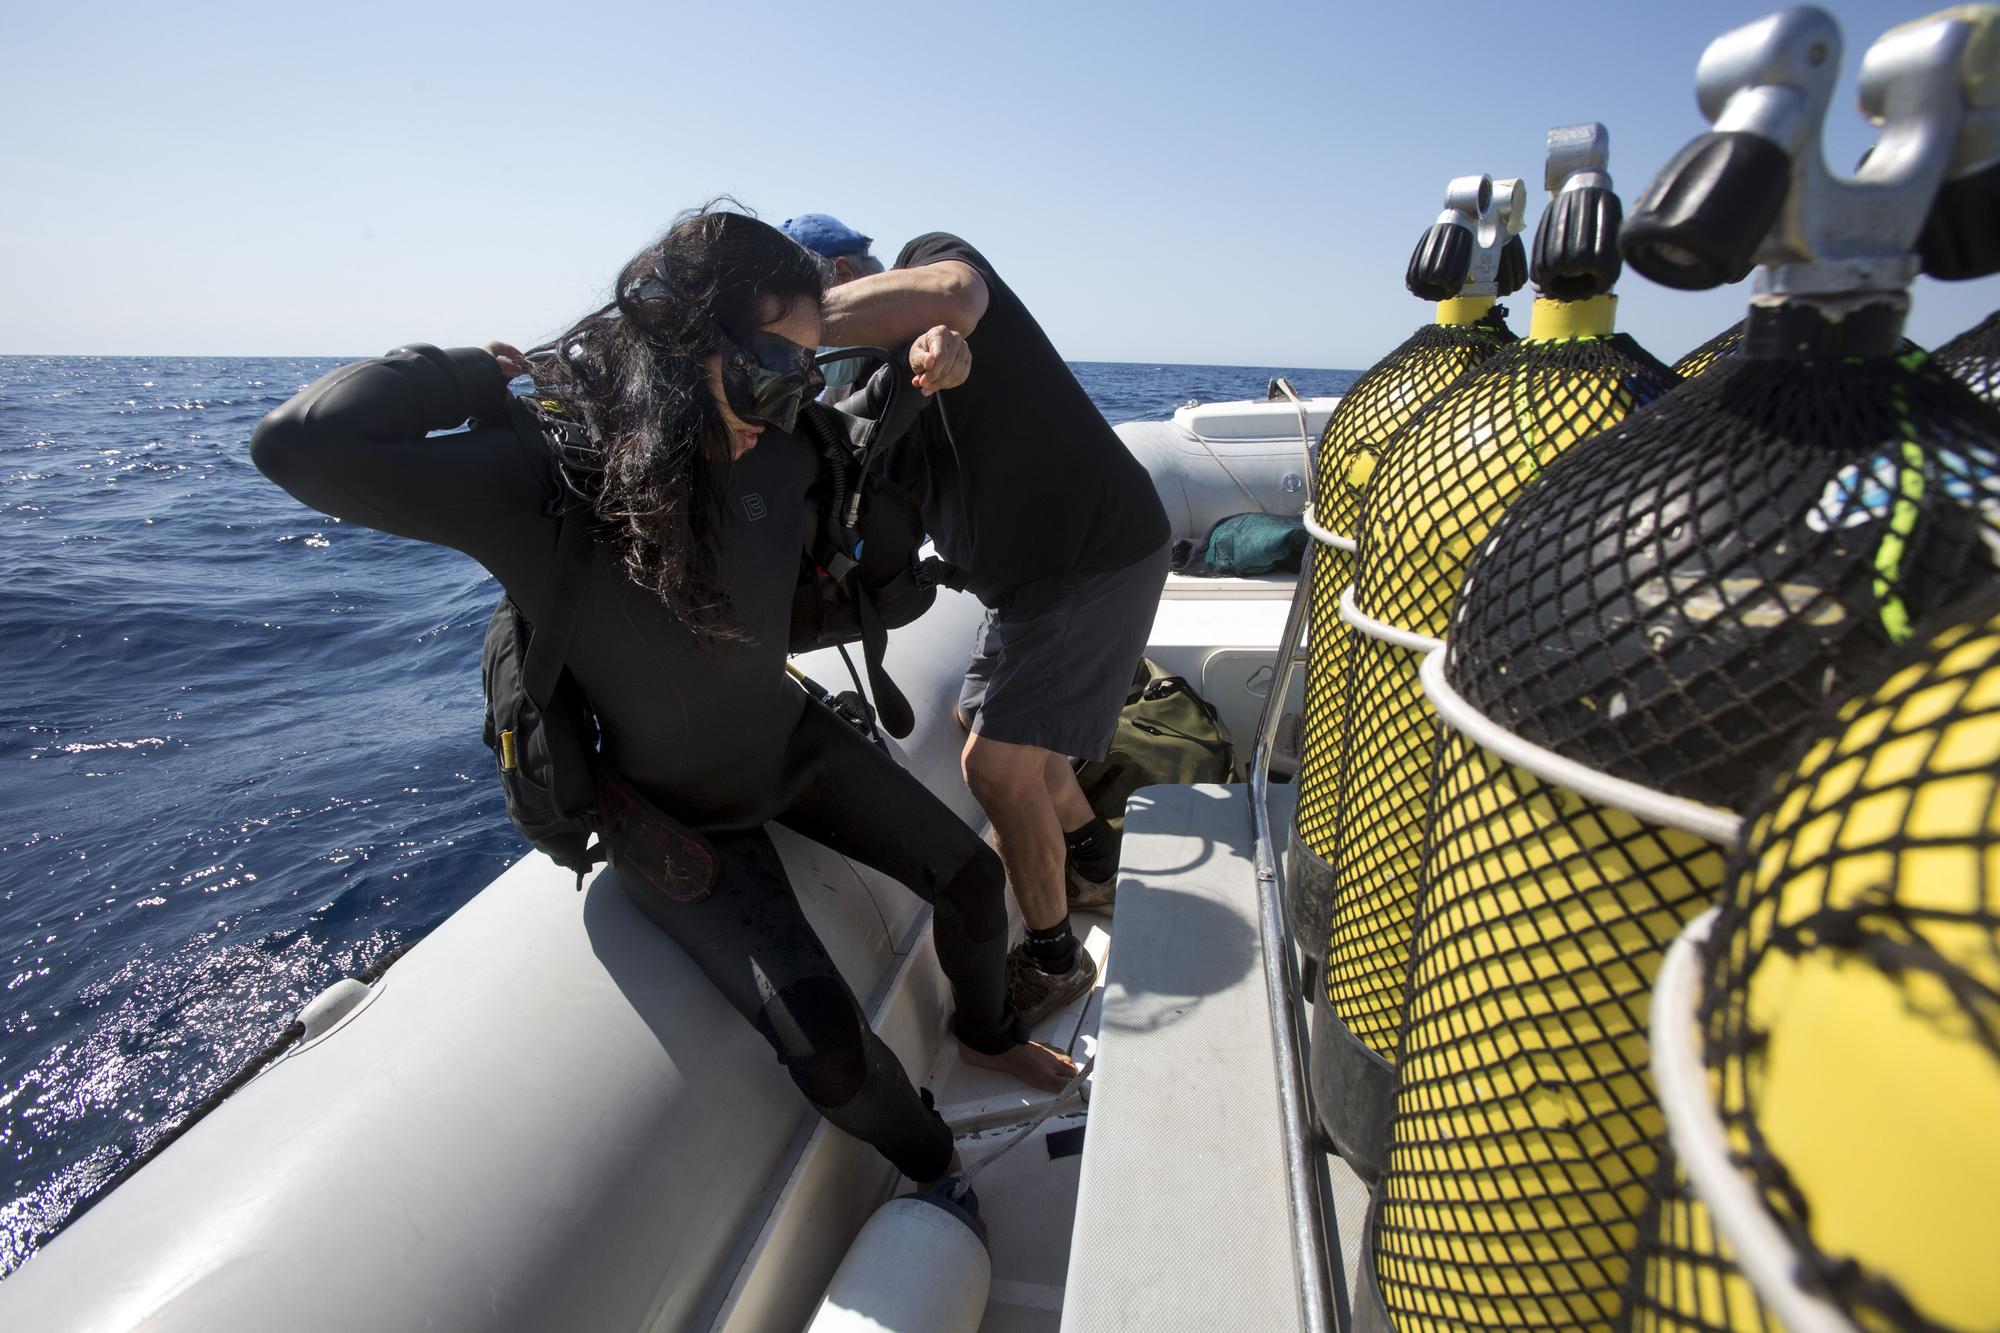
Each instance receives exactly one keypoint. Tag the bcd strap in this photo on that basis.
(943, 573)
(548, 649)
(891, 707)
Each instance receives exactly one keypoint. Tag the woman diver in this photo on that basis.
(685, 387)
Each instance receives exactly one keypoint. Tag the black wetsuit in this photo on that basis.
(719, 737)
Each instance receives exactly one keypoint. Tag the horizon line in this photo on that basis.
(346, 357)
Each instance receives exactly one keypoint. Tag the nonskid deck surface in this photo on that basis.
(1028, 1196)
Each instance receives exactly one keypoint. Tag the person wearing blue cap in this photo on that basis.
(1057, 529)
(843, 256)
(842, 251)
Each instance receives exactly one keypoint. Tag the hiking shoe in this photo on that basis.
(1089, 895)
(1036, 994)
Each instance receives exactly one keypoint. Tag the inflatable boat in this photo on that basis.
(1611, 1107)
(543, 1117)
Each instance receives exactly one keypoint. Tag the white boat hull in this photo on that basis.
(544, 1116)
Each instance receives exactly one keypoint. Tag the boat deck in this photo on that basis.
(1181, 1212)
(1220, 634)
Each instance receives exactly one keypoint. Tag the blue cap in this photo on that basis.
(827, 237)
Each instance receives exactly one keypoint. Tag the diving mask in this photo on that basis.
(765, 378)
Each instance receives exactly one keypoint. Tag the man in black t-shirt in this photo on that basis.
(1060, 533)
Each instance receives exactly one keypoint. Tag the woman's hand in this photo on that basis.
(512, 361)
(939, 359)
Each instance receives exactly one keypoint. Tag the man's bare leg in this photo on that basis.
(1072, 806)
(1011, 784)
(1050, 968)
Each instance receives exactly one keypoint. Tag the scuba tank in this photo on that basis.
(1703, 358)
(1974, 357)
(1728, 343)
(1827, 1044)
(1466, 259)
(1640, 635)
(1444, 480)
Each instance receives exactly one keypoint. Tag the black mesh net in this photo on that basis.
(1444, 481)
(1673, 601)
(1974, 358)
(1377, 405)
(1727, 344)
(1666, 607)
(1525, 1122)
(1852, 1004)
(1703, 358)
(1685, 1280)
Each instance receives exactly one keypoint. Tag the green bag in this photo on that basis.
(1166, 734)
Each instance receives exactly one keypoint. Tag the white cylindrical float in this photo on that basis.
(918, 1266)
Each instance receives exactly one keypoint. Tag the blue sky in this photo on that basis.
(1235, 183)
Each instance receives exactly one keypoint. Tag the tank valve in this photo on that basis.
(1576, 242)
(1466, 251)
(1755, 190)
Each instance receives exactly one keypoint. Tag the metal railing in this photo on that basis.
(1322, 1306)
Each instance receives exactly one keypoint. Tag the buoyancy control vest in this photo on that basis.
(859, 576)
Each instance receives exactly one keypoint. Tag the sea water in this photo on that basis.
(239, 745)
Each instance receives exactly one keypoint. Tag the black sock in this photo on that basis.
(1054, 949)
(1093, 850)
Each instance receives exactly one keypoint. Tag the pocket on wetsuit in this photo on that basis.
(651, 847)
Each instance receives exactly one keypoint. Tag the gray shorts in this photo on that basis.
(1057, 675)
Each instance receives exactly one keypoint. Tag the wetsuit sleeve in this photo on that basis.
(357, 444)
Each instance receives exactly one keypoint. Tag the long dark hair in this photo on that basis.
(632, 373)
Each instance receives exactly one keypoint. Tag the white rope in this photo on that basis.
(1305, 431)
(1656, 807)
(1382, 629)
(1230, 472)
(1057, 1103)
(1701, 1143)
(1320, 534)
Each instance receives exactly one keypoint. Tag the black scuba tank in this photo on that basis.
(1974, 358)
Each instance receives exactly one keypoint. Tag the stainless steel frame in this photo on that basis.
(1322, 1307)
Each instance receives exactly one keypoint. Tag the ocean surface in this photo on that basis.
(239, 745)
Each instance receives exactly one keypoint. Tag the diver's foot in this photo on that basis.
(1034, 1064)
(1035, 994)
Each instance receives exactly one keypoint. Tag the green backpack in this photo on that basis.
(1166, 734)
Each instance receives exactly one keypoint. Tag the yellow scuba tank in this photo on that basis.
(1465, 260)
(1884, 864)
(1974, 357)
(1847, 1000)
(1640, 635)
(1441, 484)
